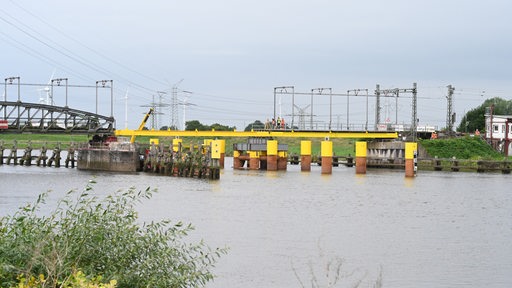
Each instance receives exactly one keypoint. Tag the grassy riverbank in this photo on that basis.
(38, 140)
(341, 147)
(472, 148)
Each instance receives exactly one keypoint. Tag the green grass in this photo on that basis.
(473, 148)
(341, 147)
(38, 140)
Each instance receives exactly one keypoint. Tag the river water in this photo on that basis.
(440, 229)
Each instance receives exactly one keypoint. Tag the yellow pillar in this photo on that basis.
(254, 160)
(215, 145)
(272, 155)
(222, 152)
(326, 154)
(305, 155)
(361, 153)
(176, 144)
(207, 142)
(411, 167)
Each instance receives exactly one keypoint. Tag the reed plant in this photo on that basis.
(91, 239)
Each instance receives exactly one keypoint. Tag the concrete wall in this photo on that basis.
(107, 160)
(385, 152)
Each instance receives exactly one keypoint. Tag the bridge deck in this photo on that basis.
(266, 133)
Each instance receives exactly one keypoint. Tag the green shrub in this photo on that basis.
(462, 148)
(102, 239)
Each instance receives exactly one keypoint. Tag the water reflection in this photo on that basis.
(439, 229)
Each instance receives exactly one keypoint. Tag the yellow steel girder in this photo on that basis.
(269, 133)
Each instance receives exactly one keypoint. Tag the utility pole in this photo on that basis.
(450, 116)
(9, 81)
(377, 106)
(319, 92)
(356, 92)
(396, 92)
(414, 112)
(103, 84)
(284, 90)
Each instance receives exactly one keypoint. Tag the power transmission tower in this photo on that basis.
(174, 106)
(450, 116)
(159, 110)
(152, 105)
(302, 116)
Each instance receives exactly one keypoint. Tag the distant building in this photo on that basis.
(498, 132)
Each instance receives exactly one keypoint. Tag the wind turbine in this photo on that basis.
(48, 100)
(126, 109)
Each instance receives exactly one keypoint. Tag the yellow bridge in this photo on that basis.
(264, 133)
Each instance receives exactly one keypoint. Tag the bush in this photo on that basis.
(102, 239)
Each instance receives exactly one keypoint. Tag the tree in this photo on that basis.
(475, 118)
(99, 238)
(256, 125)
(219, 127)
(195, 125)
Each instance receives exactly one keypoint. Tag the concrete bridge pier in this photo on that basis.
(272, 155)
(326, 154)
(361, 152)
(411, 156)
(305, 155)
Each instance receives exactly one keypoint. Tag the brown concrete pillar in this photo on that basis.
(254, 160)
(236, 161)
(410, 159)
(305, 155)
(272, 155)
(326, 154)
(282, 160)
(361, 157)
(222, 152)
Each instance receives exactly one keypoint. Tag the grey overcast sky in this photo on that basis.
(231, 54)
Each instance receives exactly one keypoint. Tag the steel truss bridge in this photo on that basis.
(24, 117)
